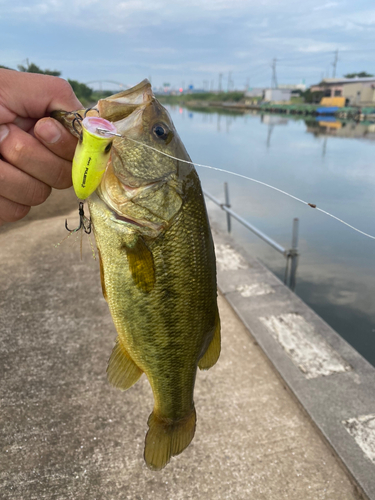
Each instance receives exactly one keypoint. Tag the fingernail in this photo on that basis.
(48, 131)
(4, 131)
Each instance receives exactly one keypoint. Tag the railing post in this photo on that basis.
(294, 255)
(227, 204)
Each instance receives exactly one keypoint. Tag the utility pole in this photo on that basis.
(220, 78)
(229, 81)
(274, 77)
(334, 64)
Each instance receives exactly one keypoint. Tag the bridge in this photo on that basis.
(121, 85)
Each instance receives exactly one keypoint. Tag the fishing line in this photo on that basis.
(312, 205)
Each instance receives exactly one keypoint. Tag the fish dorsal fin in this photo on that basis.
(122, 372)
(141, 265)
(212, 354)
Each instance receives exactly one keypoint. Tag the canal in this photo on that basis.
(325, 162)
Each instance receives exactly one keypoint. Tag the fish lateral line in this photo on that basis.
(312, 205)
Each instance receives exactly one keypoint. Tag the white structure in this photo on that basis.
(254, 93)
(298, 86)
(277, 95)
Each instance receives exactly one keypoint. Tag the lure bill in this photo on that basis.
(91, 155)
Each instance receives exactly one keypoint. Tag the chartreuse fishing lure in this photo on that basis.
(91, 155)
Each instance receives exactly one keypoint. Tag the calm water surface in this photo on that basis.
(327, 163)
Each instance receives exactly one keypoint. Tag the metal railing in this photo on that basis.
(290, 254)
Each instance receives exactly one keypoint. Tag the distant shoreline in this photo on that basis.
(240, 104)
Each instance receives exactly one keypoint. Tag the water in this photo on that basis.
(326, 163)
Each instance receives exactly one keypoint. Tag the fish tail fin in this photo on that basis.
(166, 438)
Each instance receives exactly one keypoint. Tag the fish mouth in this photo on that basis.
(126, 104)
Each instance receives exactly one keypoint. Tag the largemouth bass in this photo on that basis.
(157, 266)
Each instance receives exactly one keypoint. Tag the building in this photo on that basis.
(257, 92)
(297, 86)
(359, 94)
(277, 95)
(356, 91)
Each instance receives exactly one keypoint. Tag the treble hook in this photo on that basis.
(84, 222)
(77, 119)
(91, 109)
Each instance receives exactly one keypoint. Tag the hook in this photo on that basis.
(78, 120)
(84, 222)
(91, 109)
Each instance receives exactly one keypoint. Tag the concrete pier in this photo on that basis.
(66, 434)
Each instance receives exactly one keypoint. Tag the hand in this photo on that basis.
(35, 151)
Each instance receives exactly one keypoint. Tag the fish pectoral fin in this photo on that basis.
(122, 372)
(166, 438)
(141, 265)
(212, 354)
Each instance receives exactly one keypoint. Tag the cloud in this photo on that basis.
(327, 5)
(196, 38)
(304, 44)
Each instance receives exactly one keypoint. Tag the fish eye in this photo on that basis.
(108, 147)
(161, 131)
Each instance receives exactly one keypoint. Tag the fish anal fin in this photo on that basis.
(212, 353)
(167, 438)
(122, 372)
(141, 265)
(102, 276)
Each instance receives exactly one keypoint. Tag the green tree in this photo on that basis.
(33, 68)
(362, 74)
(81, 90)
(312, 97)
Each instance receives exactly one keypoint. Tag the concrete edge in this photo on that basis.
(339, 398)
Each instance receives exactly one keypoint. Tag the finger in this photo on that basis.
(11, 211)
(20, 187)
(26, 124)
(27, 154)
(56, 138)
(33, 95)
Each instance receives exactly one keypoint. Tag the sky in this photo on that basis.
(190, 42)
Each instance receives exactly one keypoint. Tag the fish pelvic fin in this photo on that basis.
(212, 354)
(122, 372)
(167, 438)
